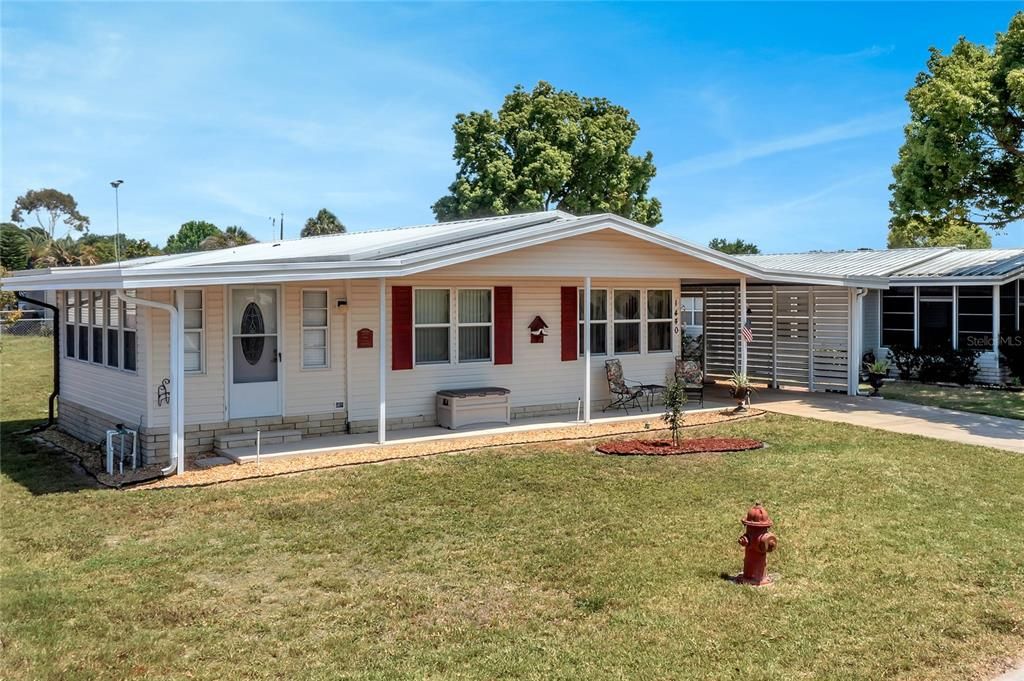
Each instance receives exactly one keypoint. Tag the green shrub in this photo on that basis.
(949, 366)
(907, 360)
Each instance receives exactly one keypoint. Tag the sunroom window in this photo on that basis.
(598, 321)
(432, 322)
(659, 321)
(194, 330)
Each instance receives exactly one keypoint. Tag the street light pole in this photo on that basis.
(117, 221)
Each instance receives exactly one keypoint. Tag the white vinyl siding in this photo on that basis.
(315, 329)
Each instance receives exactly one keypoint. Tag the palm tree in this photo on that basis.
(325, 222)
(230, 238)
(38, 245)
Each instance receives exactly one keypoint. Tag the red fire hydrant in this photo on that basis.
(758, 541)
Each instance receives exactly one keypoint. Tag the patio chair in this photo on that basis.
(624, 395)
(691, 374)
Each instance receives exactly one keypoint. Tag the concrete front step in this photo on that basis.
(223, 444)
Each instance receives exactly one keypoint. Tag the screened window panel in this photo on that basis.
(659, 336)
(83, 307)
(698, 318)
(659, 304)
(598, 338)
(598, 305)
(314, 348)
(896, 337)
(474, 343)
(936, 320)
(193, 319)
(83, 343)
(314, 357)
(627, 338)
(936, 292)
(69, 340)
(627, 305)
(193, 299)
(474, 306)
(432, 306)
(98, 305)
(314, 331)
(129, 313)
(314, 317)
(432, 345)
(69, 306)
(97, 345)
(129, 350)
(112, 347)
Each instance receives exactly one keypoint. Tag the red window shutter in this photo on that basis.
(502, 324)
(570, 312)
(401, 327)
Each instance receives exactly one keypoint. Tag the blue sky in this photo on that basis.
(774, 123)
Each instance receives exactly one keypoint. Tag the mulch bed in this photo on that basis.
(669, 448)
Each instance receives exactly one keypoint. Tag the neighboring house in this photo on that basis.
(357, 332)
(937, 297)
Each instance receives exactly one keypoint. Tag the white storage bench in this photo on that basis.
(467, 406)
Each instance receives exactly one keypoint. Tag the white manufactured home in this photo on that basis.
(359, 332)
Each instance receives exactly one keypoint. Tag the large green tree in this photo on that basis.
(13, 247)
(545, 149)
(190, 236)
(231, 237)
(734, 247)
(324, 222)
(963, 157)
(49, 207)
(918, 229)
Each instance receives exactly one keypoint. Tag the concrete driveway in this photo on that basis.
(898, 417)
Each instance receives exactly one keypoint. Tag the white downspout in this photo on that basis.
(176, 428)
(857, 342)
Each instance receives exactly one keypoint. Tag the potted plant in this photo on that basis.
(878, 371)
(741, 390)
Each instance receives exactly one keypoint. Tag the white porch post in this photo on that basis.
(743, 324)
(178, 369)
(586, 350)
(995, 326)
(383, 368)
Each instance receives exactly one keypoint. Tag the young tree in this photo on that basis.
(734, 247)
(49, 207)
(546, 149)
(325, 222)
(917, 230)
(963, 156)
(190, 236)
(674, 400)
(231, 237)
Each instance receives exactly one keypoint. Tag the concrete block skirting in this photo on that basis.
(90, 425)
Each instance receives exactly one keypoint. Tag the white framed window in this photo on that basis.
(432, 323)
(113, 330)
(70, 331)
(315, 332)
(598, 321)
(194, 330)
(128, 325)
(659, 320)
(83, 298)
(99, 305)
(475, 320)
(626, 321)
(692, 309)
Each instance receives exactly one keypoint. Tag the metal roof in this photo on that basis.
(903, 263)
(392, 253)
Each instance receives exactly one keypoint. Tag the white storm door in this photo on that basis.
(255, 361)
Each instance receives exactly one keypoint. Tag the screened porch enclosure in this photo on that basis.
(801, 334)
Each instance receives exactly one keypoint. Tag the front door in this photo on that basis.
(255, 366)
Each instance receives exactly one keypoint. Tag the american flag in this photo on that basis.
(747, 331)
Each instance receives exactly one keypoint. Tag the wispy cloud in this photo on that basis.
(853, 128)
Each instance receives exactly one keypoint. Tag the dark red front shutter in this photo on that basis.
(569, 323)
(401, 327)
(502, 324)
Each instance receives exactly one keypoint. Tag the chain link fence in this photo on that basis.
(25, 327)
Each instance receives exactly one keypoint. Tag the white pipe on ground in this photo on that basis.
(176, 434)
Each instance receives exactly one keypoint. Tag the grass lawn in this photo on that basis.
(898, 559)
(976, 400)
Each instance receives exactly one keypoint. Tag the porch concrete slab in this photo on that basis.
(898, 417)
(325, 444)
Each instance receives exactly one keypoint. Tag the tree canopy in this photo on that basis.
(545, 149)
(324, 222)
(49, 207)
(231, 237)
(918, 229)
(734, 247)
(962, 161)
(190, 236)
